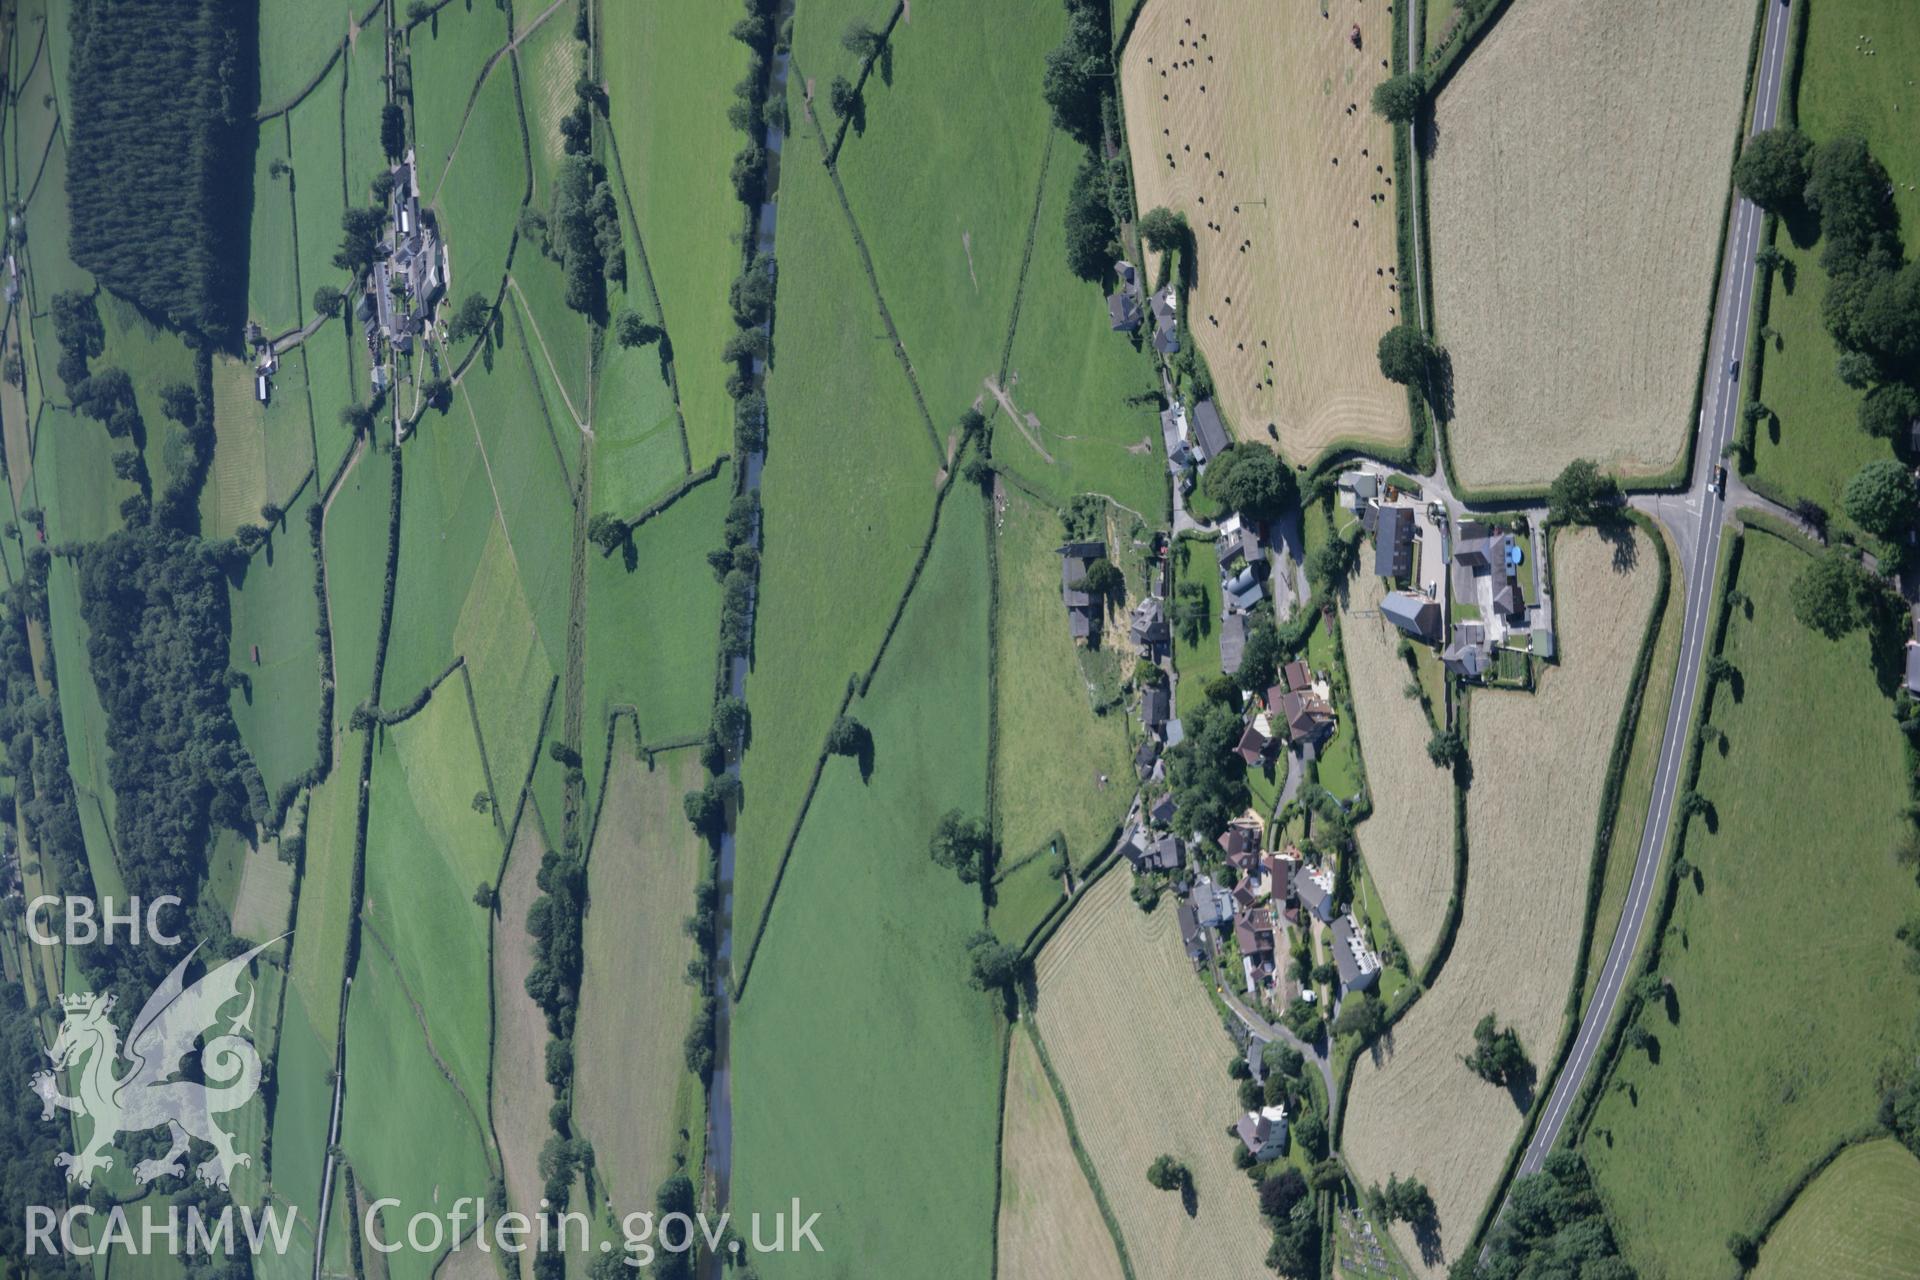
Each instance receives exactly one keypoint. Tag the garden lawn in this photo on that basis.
(1198, 662)
(632, 1090)
(850, 486)
(278, 708)
(857, 1025)
(1751, 1085)
(409, 1133)
(945, 205)
(1061, 768)
(653, 630)
(1817, 445)
(1075, 375)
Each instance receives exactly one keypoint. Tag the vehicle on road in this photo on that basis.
(1720, 482)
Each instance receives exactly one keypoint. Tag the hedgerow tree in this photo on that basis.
(1398, 99)
(1089, 222)
(1406, 356)
(469, 318)
(1881, 498)
(393, 130)
(1252, 480)
(327, 300)
(1582, 494)
(1163, 229)
(1772, 168)
(1076, 72)
(992, 965)
(1889, 409)
(962, 845)
(848, 737)
(1167, 1174)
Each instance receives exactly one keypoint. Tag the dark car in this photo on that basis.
(1720, 481)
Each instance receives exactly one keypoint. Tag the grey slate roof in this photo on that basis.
(1233, 642)
(1346, 943)
(1913, 668)
(1166, 327)
(1414, 614)
(1208, 431)
(1393, 543)
(1468, 654)
(1154, 707)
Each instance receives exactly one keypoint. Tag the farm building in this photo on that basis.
(1238, 544)
(1209, 433)
(1264, 1132)
(1414, 614)
(1075, 558)
(1490, 558)
(1233, 642)
(1358, 966)
(1242, 590)
(1393, 543)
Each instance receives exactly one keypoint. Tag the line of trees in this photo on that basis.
(160, 162)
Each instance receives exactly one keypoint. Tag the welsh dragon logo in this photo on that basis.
(148, 1094)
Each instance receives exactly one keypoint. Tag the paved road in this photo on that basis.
(1719, 412)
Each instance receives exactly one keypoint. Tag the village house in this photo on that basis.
(1489, 558)
(1281, 868)
(1301, 707)
(1239, 544)
(1314, 887)
(1148, 853)
(1256, 741)
(1264, 1132)
(1123, 304)
(1253, 934)
(1470, 653)
(1393, 536)
(1191, 937)
(1166, 321)
(1082, 609)
(1146, 758)
(1154, 707)
(1358, 966)
(1148, 629)
(1413, 613)
(1160, 813)
(1212, 904)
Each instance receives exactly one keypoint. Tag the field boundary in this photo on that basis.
(687, 485)
(265, 114)
(1440, 64)
(1620, 756)
(646, 273)
(881, 50)
(1785, 1201)
(1727, 574)
(873, 279)
(856, 683)
(1079, 1152)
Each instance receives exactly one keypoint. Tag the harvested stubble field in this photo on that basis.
(1408, 841)
(1859, 1220)
(1576, 193)
(1115, 988)
(1539, 763)
(1050, 1224)
(1275, 153)
(520, 1092)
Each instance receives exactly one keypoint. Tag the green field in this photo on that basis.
(636, 434)
(850, 484)
(1194, 561)
(669, 119)
(632, 1091)
(478, 202)
(318, 194)
(551, 62)
(1073, 373)
(944, 204)
(1859, 1220)
(1060, 767)
(279, 706)
(1751, 1085)
(427, 849)
(272, 284)
(652, 630)
(446, 55)
(1816, 445)
(296, 38)
(862, 975)
(356, 550)
(396, 1096)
